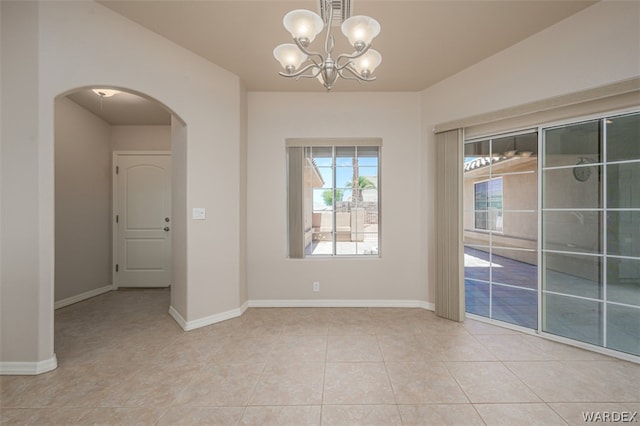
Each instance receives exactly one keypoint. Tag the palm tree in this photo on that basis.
(363, 183)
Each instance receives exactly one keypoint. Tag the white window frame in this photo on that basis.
(296, 231)
(487, 211)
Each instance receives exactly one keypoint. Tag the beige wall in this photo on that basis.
(82, 199)
(592, 48)
(26, 298)
(394, 117)
(179, 218)
(243, 288)
(140, 138)
(43, 58)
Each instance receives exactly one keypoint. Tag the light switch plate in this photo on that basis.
(199, 213)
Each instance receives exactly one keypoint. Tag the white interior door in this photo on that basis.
(142, 207)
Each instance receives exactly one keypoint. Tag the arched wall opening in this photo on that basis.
(90, 131)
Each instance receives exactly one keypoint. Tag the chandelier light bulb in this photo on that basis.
(289, 56)
(360, 30)
(303, 24)
(367, 63)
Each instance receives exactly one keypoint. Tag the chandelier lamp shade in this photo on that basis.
(299, 61)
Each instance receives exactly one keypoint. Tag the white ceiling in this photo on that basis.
(421, 41)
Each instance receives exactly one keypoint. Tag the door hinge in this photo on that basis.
(117, 218)
(117, 169)
(117, 267)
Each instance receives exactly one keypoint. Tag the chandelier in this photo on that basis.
(300, 62)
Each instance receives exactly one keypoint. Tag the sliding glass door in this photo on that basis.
(586, 189)
(501, 228)
(591, 232)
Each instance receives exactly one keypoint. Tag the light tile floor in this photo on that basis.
(123, 360)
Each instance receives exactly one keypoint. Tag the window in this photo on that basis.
(488, 205)
(333, 196)
(500, 182)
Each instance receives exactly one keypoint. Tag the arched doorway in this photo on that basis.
(91, 125)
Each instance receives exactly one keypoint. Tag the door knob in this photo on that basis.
(166, 228)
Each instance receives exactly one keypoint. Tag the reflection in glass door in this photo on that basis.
(501, 228)
(591, 232)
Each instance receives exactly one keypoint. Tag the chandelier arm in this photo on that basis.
(306, 51)
(329, 38)
(308, 76)
(299, 73)
(346, 77)
(351, 57)
(356, 74)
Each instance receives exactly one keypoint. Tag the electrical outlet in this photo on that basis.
(316, 286)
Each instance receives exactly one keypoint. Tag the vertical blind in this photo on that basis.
(449, 249)
(295, 160)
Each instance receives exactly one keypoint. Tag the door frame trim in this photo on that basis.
(114, 202)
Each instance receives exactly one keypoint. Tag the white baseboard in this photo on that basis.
(177, 317)
(28, 368)
(83, 296)
(203, 322)
(290, 303)
(339, 303)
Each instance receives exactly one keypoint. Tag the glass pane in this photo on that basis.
(515, 306)
(520, 191)
(503, 147)
(344, 177)
(527, 145)
(477, 159)
(370, 243)
(571, 231)
(318, 177)
(623, 233)
(345, 248)
(572, 274)
(623, 324)
(623, 190)
(346, 156)
(322, 156)
(495, 193)
(366, 245)
(577, 319)
(623, 280)
(577, 187)
(520, 230)
(477, 149)
(319, 245)
(623, 137)
(516, 146)
(472, 236)
(514, 267)
(368, 176)
(481, 195)
(476, 295)
(323, 198)
(477, 264)
(569, 145)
